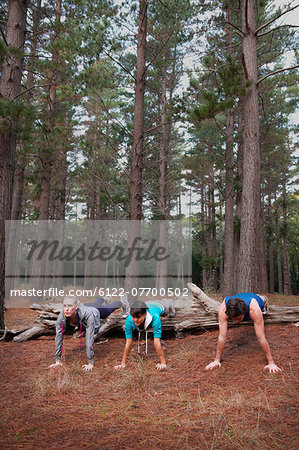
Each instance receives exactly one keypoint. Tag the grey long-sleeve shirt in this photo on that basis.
(90, 318)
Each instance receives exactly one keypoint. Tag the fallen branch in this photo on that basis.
(4, 334)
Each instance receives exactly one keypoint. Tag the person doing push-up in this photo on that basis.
(76, 315)
(243, 307)
(144, 316)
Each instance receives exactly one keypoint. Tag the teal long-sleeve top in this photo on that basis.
(152, 320)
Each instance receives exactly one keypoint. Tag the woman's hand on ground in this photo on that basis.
(160, 366)
(57, 364)
(273, 368)
(119, 366)
(212, 365)
(87, 367)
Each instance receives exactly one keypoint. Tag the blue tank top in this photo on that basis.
(247, 297)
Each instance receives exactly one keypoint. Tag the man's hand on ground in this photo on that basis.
(273, 368)
(212, 365)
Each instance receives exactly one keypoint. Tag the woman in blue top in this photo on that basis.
(144, 316)
(243, 307)
(240, 304)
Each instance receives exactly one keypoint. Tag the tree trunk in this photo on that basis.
(16, 210)
(10, 87)
(203, 235)
(161, 266)
(19, 175)
(138, 132)
(47, 156)
(137, 154)
(59, 201)
(270, 232)
(18, 186)
(262, 258)
(209, 235)
(277, 232)
(220, 251)
(229, 254)
(180, 237)
(239, 194)
(213, 231)
(286, 269)
(92, 202)
(248, 277)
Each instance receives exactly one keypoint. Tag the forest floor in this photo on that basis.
(238, 406)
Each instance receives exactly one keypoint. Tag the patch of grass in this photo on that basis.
(20, 437)
(283, 300)
(62, 380)
(238, 406)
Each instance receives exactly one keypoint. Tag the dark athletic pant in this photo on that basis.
(104, 310)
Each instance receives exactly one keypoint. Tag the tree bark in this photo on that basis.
(278, 256)
(180, 267)
(138, 132)
(19, 175)
(137, 153)
(213, 230)
(239, 194)
(229, 254)
(161, 266)
(16, 210)
(18, 186)
(270, 232)
(10, 87)
(262, 258)
(286, 268)
(47, 156)
(248, 276)
(203, 234)
(220, 251)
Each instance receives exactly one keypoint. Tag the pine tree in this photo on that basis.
(10, 87)
(137, 151)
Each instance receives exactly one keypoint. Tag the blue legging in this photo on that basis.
(104, 310)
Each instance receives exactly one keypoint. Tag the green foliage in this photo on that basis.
(16, 115)
(219, 93)
(3, 52)
(208, 261)
(237, 223)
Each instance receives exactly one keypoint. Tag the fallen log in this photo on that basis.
(34, 332)
(202, 315)
(199, 312)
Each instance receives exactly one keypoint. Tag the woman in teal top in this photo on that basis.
(143, 317)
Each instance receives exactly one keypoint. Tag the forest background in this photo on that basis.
(157, 110)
